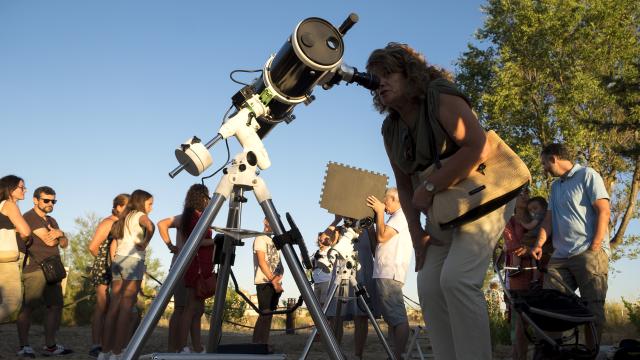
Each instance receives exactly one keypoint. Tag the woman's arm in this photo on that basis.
(101, 234)
(419, 237)
(463, 127)
(149, 228)
(13, 213)
(163, 228)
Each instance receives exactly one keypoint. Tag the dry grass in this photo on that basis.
(79, 338)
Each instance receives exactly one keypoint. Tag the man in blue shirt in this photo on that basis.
(578, 220)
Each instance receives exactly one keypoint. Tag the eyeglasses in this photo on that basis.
(46, 201)
(23, 188)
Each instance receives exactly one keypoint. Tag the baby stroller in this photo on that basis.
(548, 311)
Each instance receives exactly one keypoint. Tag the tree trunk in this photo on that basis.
(631, 203)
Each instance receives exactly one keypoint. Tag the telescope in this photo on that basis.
(311, 56)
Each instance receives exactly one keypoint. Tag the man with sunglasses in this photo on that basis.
(46, 236)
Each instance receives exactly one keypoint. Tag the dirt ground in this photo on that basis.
(79, 339)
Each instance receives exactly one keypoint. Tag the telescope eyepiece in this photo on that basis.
(366, 80)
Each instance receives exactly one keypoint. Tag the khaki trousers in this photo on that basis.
(10, 289)
(450, 287)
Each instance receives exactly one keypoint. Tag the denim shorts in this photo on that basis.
(127, 268)
(391, 301)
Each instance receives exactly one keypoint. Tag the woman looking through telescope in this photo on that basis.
(418, 98)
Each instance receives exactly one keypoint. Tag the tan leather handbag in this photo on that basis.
(493, 184)
(8, 244)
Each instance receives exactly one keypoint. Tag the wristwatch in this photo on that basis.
(429, 187)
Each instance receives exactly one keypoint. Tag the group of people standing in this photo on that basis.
(118, 244)
(119, 247)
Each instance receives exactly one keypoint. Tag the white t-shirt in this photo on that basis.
(393, 257)
(133, 235)
(265, 244)
(321, 272)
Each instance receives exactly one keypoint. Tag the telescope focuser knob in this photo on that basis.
(309, 99)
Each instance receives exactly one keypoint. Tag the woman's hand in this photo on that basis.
(521, 251)
(422, 199)
(421, 241)
(173, 248)
(420, 249)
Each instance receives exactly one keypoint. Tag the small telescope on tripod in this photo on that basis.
(312, 56)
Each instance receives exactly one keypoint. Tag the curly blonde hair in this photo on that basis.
(401, 58)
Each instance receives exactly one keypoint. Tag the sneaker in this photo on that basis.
(185, 350)
(55, 350)
(104, 355)
(95, 351)
(115, 356)
(26, 351)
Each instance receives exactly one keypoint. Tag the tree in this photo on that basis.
(79, 299)
(538, 75)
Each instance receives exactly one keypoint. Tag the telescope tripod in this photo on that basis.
(240, 176)
(344, 272)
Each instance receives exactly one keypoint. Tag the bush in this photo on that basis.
(633, 310)
(234, 306)
(500, 330)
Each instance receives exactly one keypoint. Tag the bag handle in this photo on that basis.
(432, 137)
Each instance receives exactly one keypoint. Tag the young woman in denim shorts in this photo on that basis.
(132, 231)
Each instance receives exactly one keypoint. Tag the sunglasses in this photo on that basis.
(46, 201)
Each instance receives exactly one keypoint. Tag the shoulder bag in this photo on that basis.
(491, 185)
(8, 244)
(53, 269)
(205, 283)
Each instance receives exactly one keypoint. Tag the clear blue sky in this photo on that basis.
(95, 96)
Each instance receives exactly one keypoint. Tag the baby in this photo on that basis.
(321, 261)
(537, 208)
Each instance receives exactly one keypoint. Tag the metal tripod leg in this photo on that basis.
(228, 256)
(299, 276)
(363, 302)
(327, 302)
(148, 323)
(335, 282)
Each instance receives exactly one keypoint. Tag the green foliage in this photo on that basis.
(79, 300)
(541, 74)
(500, 330)
(633, 309)
(234, 306)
